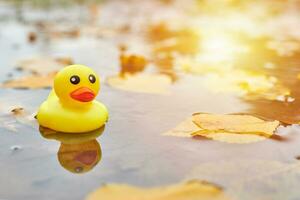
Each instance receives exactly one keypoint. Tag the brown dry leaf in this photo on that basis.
(192, 190)
(184, 129)
(143, 83)
(43, 65)
(132, 64)
(235, 124)
(30, 82)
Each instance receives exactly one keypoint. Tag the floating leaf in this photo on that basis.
(18, 111)
(185, 191)
(18, 116)
(43, 65)
(57, 31)
(30, 82)
(132, 64)
(231, 137)
(143, 83)
(235, 124)
(184, 129)
(232, 128)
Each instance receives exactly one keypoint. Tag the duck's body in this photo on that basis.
(75, 112)
(55, 115)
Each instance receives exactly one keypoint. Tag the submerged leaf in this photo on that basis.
(191, 190)
(143, 83)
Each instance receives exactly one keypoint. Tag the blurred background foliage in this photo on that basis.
(51, 3)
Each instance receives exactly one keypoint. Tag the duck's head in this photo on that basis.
(76, 84)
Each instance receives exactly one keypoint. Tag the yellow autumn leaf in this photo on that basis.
(235, 124)
(43, 65)
(231, 137)
(30, 82)
(142, 83)
(132, 64)
(231, 128)
(184, 129)
(192, 190)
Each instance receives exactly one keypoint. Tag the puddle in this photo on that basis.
(244, 70)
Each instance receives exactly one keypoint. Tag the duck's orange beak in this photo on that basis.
(83, 94)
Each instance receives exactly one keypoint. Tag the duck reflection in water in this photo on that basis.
(78, 153)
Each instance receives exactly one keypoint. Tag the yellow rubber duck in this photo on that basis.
(71, 107)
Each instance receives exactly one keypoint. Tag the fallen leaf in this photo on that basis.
(190, 190)
(58, 31)
(30, 82)
(43, 65)
(143, 83)
(184, 129)
(132, 63)
(17, 111)
(235, 123)
(232, 128)
(231, 137)
(16, 118)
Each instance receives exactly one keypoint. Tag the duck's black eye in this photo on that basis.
(92, 78)
(75, 79)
